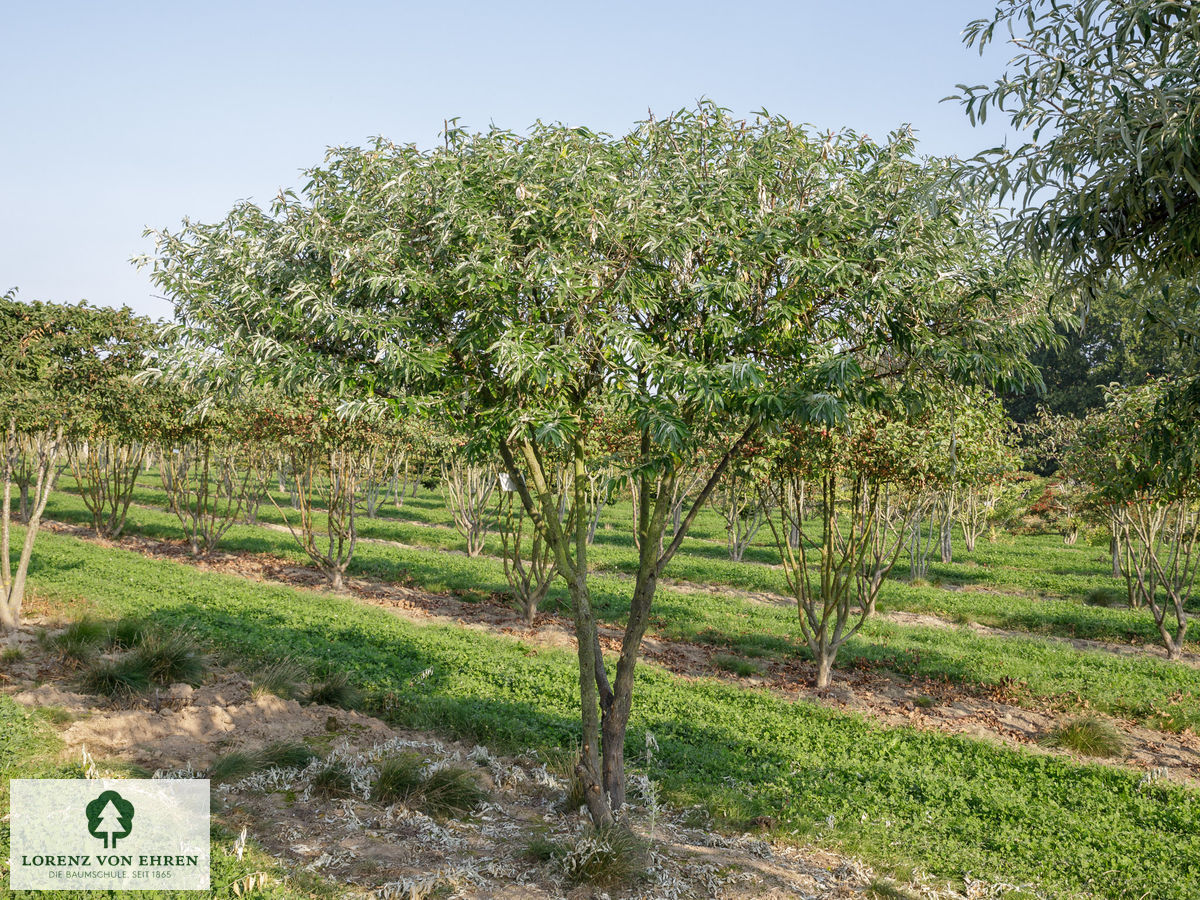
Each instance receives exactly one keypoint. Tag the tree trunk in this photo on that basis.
(825, 668)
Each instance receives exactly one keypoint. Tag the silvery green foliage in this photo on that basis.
(703, 279)
(1103, 93)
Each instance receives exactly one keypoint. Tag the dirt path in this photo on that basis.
(885, 696)
(1133, 650)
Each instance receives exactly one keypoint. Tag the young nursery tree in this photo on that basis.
(705, 277)
(52, 358)
(1156, 508)
(213, 468)
(841, 477)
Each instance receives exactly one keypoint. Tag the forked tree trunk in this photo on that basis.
(605, 706)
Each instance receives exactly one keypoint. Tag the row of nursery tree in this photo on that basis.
(803, 331)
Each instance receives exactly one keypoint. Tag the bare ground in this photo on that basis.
(893, 699)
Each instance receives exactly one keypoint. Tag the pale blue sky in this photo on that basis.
(115, 116)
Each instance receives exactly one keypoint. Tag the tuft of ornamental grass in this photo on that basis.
(451, 790)
(173, 658)
(283, 678)
(80, 641)
(117, 679)
(886, 889)
(56, 715)
(608, 858)
(542, 849)
(1088, 735)
(400, 778)
(128, 633)
(563, 762)
(335, 689)
(280, 755)
(737, 665)
(445, 791)
(332, 781)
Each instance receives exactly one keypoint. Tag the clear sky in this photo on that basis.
(115, 116)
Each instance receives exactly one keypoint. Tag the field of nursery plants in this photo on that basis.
(717, 507)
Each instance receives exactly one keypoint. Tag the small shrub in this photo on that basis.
(333, 780)
(335, 689)
(451, 790)
(283, 678)
(924, 702)
(736, 664)
(117, 678)
(400, 777)
(173, 658)
(12, 654)
(1089, 735)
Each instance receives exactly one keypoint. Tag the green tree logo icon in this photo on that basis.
(110, 817)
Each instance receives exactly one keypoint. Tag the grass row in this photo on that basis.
(951, 805)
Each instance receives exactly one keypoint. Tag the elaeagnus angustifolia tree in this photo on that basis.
(706, 278)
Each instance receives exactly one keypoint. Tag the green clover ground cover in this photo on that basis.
(1145, 688)
(952, 805)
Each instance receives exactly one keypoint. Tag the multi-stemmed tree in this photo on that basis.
(832, 489)
(705, 277)
(214, 469)
(53, 359)
(1154, 509)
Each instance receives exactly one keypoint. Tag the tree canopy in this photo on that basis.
(704, 278)
(1105, 91)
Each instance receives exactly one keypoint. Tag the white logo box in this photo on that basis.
(109, 833)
